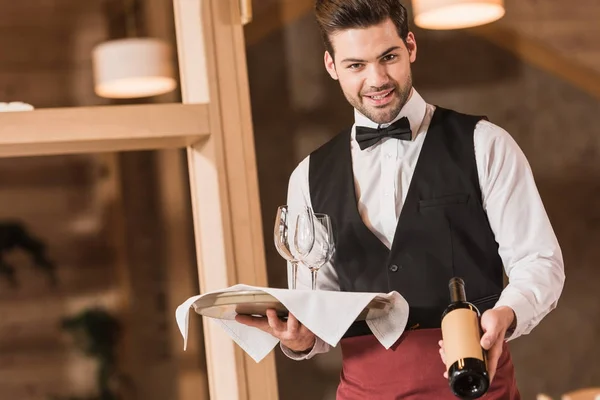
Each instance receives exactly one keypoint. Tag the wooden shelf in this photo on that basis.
(101, 129)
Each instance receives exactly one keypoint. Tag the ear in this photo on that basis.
(411, 45)
(330, 66)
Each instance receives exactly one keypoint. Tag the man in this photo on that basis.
(418, 194)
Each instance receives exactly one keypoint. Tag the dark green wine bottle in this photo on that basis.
(466, 361)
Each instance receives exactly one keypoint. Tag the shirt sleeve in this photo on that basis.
(299, 196)
(528, 246)
(319, 347)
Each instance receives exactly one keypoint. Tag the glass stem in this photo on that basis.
(313, 275)
(294, 273)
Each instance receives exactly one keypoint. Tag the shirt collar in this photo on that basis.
(414, 110)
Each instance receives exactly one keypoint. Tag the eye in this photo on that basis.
(355, 66)
(390, 57)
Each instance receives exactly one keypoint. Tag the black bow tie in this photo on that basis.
(367, 137)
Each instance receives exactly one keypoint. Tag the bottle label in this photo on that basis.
(460, 332)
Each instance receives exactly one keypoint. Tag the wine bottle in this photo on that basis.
(466, 361)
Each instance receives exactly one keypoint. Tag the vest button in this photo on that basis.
(394, 268)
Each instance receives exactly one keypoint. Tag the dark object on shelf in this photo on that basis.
(14, 235)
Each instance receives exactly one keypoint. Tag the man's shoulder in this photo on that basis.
(448, 113)
(333, 142)
(328, 147)
(482, 125)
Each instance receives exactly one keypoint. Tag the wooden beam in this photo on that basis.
(214, 254)
(224, 188)
(535, 52)
(276, 17)
(251, 268)
(100, 129)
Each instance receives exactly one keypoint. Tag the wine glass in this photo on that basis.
(304, 233)
(303, 238)
(322, 248)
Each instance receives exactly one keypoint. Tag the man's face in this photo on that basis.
(373, 67)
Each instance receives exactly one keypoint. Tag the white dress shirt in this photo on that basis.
(528, 247)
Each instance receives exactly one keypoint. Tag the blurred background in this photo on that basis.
(98, 250)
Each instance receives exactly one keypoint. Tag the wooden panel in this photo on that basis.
(76, 279)
(209, 205)
(29, 174)
(539, 54)
(99, 129)
(225, 197)
(47, 50)
(37, 357)
(191, 50)
(535, 10)
(561, 39)
(238, 145)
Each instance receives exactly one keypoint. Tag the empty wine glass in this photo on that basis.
(303, 238)
(322, 248)
(304, 233)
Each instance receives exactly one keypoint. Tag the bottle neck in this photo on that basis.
(457, 290)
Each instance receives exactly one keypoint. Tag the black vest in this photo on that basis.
(442, 231)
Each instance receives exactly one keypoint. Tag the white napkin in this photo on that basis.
(328, 314)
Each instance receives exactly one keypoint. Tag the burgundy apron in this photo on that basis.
(410, 370)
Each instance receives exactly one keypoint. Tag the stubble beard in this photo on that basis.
(386, 113)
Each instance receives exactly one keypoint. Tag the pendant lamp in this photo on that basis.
(133, 67)
(456, 14)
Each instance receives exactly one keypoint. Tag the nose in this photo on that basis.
(378, 76)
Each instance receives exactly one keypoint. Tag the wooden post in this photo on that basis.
(224, 184)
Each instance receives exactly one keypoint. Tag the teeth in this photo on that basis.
(379, 97)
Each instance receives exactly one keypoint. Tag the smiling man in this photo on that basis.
(377, 82)
(418, 194)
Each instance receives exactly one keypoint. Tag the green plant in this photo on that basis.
(96, 333)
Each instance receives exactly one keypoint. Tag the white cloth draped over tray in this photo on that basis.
(328, 314)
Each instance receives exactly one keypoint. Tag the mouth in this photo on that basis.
(380, 98)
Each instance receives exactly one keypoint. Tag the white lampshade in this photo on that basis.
(456, 14)
(133, 68)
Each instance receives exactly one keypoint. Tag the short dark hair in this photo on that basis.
(337, 15)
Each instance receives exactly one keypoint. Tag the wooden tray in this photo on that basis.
(255, 303)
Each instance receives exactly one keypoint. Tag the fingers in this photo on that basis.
(442, 353)
(291, 333)
(493, 357)
(489, 339)
(491, 328)
(274, 322)
(443, 357)
(293, 326)
(260, 323)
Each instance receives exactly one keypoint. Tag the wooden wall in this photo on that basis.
(46, 51)
(118, 226)
(49, 65)
(56, 198)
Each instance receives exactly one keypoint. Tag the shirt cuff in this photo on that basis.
(319, 347)
(524, 311)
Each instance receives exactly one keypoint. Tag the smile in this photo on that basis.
(381, 98)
